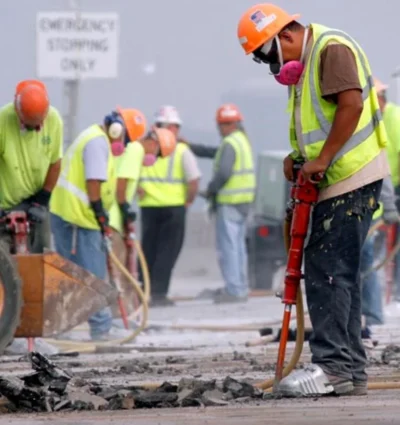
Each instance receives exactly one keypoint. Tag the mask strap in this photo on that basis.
(303, 49)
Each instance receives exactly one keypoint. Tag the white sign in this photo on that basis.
(73, 45)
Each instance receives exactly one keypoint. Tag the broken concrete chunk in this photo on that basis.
(82, 400)
(391, 354)
(238, 389)
(214, 398)
(155, 399)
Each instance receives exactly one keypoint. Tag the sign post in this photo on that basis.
(75, 45)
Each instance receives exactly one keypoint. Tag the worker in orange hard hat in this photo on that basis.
(336, 130)
(230, 193)
(31, 142)
(142, 152)
(85, 193)
(167, 189)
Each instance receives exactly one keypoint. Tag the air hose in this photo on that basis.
(268, 384)
(144, 295)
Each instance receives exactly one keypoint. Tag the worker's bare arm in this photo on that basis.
(93, 190)
(52, 176)
(192, 189)
(121, 190)
(347, 116)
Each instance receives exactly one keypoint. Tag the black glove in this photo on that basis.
(128, 213)
(101, 217)
(40, 198)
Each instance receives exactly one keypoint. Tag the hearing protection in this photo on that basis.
(115, 125)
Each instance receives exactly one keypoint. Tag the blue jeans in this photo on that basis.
(90, 256)
(231, 247)
(371, 299)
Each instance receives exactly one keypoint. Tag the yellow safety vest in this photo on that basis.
(240, 188)
(317, 114)
(164, 182)
(69, 199)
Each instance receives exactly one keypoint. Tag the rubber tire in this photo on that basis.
(13, 299)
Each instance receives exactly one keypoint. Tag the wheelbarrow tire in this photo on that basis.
(12, 303)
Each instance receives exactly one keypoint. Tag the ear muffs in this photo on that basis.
(115, 125)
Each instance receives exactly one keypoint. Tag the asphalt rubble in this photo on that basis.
(50, 388)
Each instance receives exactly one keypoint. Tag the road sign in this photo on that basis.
(74, 45)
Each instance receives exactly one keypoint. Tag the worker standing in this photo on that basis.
(158, 143)
(372, 306)
(231, 192)
(166, 190)
(83, 196)
(31, 145)
(336, 127)
(391, 119)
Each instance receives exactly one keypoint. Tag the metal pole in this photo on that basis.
(395, 75)
(71, 93)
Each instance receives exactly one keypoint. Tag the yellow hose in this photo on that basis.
(91, 347)
(268, 384)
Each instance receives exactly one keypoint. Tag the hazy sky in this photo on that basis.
(198, 59)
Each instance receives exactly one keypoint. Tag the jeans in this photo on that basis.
(90, 256)
(231, 248)
(372, 307)
(332, 279)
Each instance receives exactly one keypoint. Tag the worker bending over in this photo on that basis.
(166, 190)
(31, 144)
(336, 127)
(391, 119)
(158, 142)
(372, 306)
(231, 191)
(83, 196)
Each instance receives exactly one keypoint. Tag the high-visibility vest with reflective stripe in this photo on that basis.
(69, 199)
(240, 188)
(164, 182)
(317, 114)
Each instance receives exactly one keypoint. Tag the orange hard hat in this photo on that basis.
(134, 121)
(380, 87)
(228, 113)
(165, 138)
(31, 102)
(260, 24)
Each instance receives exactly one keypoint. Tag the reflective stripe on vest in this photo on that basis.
(245, 193)
(69, 199)
(167, 189)
(322, 133)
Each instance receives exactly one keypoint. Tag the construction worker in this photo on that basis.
(372, 306)
(391, 118)
(336, 127)
(84, 195)
(166, 190)
(231, 192)
(158, 142)
(31, 144)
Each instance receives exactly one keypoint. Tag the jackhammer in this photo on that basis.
(304, 194)
(17, 223)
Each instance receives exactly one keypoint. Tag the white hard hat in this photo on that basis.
(167, 115)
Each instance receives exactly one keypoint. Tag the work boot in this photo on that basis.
(161, 302)
(360, 388)
(224, 297)
(209, 294)
(341, 386)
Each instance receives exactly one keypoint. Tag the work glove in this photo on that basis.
(101, 217)
(128, 213)
(41, 198)
(391, 217)
(37, 213)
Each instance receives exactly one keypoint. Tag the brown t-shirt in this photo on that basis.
(338, 73)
